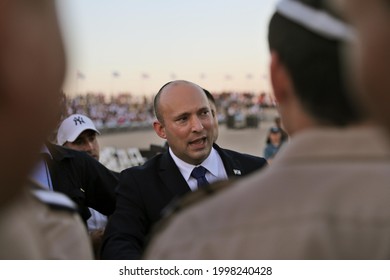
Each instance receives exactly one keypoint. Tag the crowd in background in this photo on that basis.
(126, 110)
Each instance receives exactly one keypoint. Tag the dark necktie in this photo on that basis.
(199, 174)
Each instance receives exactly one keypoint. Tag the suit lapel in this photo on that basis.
(232, 167)
(171, 176)
(59, 171)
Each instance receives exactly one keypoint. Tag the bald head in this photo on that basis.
(175, 87)
(184, 119)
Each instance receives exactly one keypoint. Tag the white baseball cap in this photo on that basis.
(72, 127)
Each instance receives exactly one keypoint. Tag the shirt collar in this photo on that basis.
(210, 163)
(45, 150)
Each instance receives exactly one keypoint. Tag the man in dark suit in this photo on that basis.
(184, 119)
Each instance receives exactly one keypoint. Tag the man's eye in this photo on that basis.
(205, 113)
(182, 119)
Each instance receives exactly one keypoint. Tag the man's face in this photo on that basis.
(371, 56)
(86, 142)
(187, 122)
(31, 74)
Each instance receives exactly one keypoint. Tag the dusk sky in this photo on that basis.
(138, 45)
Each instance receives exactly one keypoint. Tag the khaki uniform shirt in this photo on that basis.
(325, 196)
(35, 227)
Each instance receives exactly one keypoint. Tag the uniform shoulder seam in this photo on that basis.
(55, 200)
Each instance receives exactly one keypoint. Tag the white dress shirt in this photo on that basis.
(41, 173)
(213, 163)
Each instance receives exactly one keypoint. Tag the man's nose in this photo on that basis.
(197, 124)
(88, 146)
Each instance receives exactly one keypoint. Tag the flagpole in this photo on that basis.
(79, 76)
(77, 85)
(114, 75)
(144, 76)
(251, 87)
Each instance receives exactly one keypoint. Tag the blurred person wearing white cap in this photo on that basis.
(326, 195)
(78, 132)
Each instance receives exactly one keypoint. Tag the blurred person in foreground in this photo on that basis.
(192, 162)
(326, 194)
(34, 223)
(371, 56)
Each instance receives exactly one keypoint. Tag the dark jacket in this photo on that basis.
(144, 191)
(86, 181)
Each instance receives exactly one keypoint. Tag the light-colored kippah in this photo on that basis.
(315, 20)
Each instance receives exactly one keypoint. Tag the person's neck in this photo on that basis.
(297, 121)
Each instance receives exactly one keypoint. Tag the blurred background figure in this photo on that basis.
(274, 143)
(214, 112)
(278, 124)
(34, 223)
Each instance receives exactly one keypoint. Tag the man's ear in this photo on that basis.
(280, 79)
(160, 129)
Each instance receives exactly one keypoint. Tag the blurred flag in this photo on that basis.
(80, 75)
(228, 77)
(173, 76)
(249, 76)
(145, 76)
(115, 74)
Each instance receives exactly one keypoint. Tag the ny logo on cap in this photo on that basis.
(78, 120)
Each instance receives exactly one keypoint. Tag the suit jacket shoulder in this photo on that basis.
(160, 172)
(239, 164)
(85, 180)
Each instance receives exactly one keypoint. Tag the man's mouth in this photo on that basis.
(200, 142)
